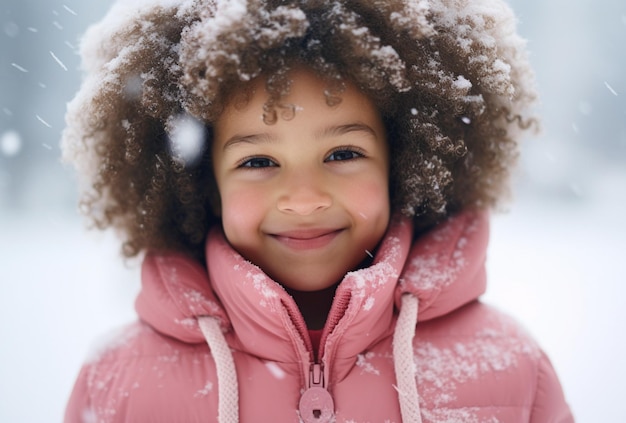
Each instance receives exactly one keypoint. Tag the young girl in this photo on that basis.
(307, 183)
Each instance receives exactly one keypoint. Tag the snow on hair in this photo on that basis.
(451, 79)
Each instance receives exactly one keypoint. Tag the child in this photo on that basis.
(307, 183)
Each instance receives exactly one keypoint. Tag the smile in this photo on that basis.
(307, 239)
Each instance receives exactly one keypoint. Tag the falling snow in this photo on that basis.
(187, 139)
(69, 10)
(610, 88)
(10, 143)
(19, 68)
(40, 119)
(275, 370)
(56, 59)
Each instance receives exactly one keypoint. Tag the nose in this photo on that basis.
(304, 193)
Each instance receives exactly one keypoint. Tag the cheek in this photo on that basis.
(242, 212)
(369, 200)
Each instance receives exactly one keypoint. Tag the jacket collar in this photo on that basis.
(267, 321)
(443, 268)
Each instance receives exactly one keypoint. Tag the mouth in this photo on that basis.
(306, 239)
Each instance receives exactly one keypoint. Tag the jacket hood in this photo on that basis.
(446, 266)
(444, 269)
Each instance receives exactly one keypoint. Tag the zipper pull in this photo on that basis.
(316, 403)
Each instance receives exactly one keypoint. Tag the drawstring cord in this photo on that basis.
(403, 360)
(228, 391)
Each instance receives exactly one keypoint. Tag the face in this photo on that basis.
(306, 198)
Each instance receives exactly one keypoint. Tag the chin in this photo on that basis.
(314, 284)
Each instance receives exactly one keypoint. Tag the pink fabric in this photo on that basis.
(473, 363)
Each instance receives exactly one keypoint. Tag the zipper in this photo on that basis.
(316, 403)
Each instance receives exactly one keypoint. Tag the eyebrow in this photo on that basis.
(250, 139)
(330, 131)
(336, 130)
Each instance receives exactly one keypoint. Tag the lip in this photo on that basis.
(306, 239)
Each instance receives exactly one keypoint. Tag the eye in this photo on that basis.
(258, 162)
(344, 154)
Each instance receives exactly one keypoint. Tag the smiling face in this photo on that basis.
(305, 199)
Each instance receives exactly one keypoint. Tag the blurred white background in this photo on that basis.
(556, 257)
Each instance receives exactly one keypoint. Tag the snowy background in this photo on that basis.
(556, 257)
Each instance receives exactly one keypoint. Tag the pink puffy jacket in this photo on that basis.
(405, 341)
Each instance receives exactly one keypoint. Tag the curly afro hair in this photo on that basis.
(450, 77)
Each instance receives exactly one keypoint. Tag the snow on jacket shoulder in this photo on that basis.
(465, 362)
